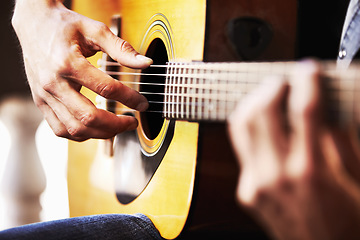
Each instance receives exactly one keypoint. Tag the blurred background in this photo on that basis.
(33, 160)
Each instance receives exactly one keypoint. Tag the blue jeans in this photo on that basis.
(104, 227)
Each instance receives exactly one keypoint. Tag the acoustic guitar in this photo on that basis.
(178, 167)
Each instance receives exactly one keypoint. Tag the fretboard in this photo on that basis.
(210, 91)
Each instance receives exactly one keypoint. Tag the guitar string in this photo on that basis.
(127, 110)
(205, 86)
(193, 76)
(198, 105)
(210, 76)
(217, 70)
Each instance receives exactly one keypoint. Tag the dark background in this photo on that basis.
(320, 25)
(319, 30)
(12, 79)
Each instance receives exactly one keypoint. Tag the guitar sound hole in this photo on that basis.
(153, 89)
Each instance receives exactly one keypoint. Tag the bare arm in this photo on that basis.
(55, 42)
(299, 175)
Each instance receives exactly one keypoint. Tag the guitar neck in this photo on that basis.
(210, 91)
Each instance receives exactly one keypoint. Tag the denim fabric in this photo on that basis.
(104, 227)
(350, 40)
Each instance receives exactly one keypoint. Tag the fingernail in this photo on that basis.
(144, 59)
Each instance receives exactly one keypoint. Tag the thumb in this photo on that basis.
(120, 50)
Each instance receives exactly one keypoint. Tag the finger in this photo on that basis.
(89, 115)
(260, 119)
(65, 125)
(122, 52)
(342, 153)
(305, 117)
(259, 137)
(117, 48)
(56, 126)
(305, 100)
(102, 84)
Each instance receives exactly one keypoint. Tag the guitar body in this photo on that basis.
(193, 173)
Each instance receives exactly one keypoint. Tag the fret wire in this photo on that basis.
(173, 93)
(172, 96)
(192, 98)
(229, 97)
(216, 92)
(185, 91)
(177, 107)
(172, 90)
(173, 106)
(210, 102)
(203, 111)
(167, 81)
(223, 104)
(200, 93)
(177, 90)
(169, 89)
(182, 92)
(187, 98)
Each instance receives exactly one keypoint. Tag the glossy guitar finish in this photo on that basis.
(194, 183)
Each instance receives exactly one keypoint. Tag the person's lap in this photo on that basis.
(105, 227)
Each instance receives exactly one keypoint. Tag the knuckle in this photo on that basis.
(253, 197)
(301, 171)
(49, 85)
(61, 132)
(107, 90)
(102, 28)
(39, 102)
(88, 118)
(256, 193)
(243, 116)
(76, 131)
(125, 46)
(65, 65)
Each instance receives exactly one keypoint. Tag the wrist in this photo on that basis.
(25, 10)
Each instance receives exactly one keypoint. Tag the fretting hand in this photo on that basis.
(300, 176)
